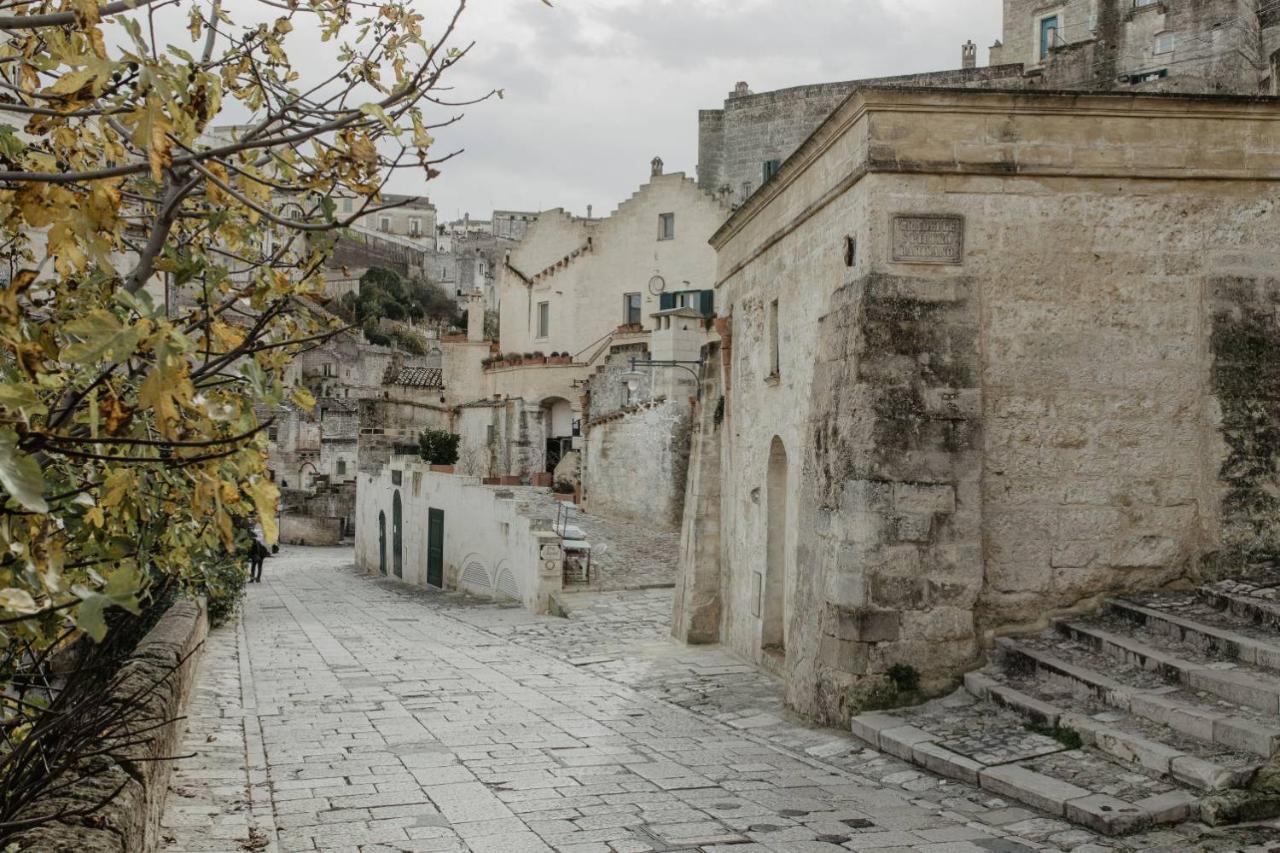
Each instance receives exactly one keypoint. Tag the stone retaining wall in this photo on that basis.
(130, 823)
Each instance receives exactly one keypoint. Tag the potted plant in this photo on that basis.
(537, 358)
(512, 359)
(439, 448)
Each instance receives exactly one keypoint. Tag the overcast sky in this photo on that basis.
(595, 88)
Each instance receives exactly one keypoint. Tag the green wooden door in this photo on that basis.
(397, 536)
(382, 542)
(435, 548)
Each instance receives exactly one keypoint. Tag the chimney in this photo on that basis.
(475, 317)
(588, 211)
(969, 55)
(741, 90)
(657, 166)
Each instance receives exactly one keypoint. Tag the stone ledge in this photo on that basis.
(130, 823)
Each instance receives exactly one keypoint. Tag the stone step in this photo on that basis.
(1046, 676)
(986, 748)
(1262, 612)
(1204, 628)
(1238, 683)
(1128, 739)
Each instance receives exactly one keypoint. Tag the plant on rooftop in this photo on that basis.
(438, 447)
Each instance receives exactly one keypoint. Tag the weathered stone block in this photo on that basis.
(913, 528)
(924, 498)
(869, 726)
(946, 763)
(1035, 789)
(902, 741)
(1108, 815)
(843, 655)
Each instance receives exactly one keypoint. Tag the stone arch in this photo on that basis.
(506, 587)
(773, 611)
(475, 575)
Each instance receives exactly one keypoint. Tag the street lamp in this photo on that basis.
(683, 365)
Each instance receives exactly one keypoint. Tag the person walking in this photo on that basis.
(258, 552)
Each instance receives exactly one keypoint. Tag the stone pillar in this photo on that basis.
(697, 605)
(656, 166)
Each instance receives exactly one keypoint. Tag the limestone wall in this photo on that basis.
(949, 449)
(494, 538)
(1208, 46)
(162, 669)
(636, 462)
(582, 268)
(735, 142)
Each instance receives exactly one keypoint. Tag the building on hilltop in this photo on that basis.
(1192, 46)
(1197, 46)
(742, 144)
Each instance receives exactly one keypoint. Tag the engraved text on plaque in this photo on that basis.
(928, 239)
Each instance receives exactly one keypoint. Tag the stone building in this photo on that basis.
(988, 356)
(742, 144)
(412, 217)
(433, 529)
(573, 291)
(1206, 46)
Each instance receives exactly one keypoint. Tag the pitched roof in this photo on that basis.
(415, 377)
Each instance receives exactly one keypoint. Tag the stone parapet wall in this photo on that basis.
(167, 656)
(636, 461)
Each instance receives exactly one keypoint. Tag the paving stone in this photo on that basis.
(349, 712)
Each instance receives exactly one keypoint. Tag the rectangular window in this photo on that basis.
(384, 223)
(415, 227)
(346, 205)
(396, 477)
(544, 319)
(631, 309)
(342, 467)
(666, 226)
(273, 434)
(775, 358)
(771, 168)
(1048, 35)
(1165, 43)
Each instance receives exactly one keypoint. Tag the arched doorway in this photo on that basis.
(773, 636)
(557, 417)
(397, 536)
(382, 542)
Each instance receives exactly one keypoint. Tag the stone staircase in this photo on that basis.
(1155, 710)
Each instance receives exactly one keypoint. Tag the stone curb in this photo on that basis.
(130, 823)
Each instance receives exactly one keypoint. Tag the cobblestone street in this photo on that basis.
(348, 713)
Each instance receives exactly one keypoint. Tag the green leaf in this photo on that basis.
(21, 399)
(20, 474)
(378, 113)
(121, 590)
(100, 335)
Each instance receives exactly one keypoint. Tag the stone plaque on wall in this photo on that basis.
(928, 239)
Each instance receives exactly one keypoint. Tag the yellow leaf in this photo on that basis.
(266, 500)
(304, 398)
(94, 516)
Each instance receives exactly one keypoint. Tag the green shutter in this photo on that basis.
(667, 301)
(708, 303)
